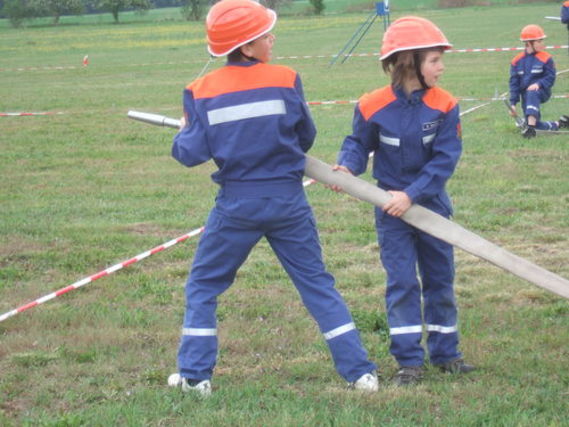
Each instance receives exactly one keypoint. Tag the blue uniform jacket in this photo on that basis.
(527, 69)
(251, 119)
(416, 141)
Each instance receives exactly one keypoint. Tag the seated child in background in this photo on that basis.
(532, 75)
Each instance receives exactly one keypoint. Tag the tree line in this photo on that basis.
(18, 11)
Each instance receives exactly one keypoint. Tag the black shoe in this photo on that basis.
(408, 375)
(529, 132)
(564, 122)
(456, 366)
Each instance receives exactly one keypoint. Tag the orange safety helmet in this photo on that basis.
(234, 23)
(409, 33)
(532, 32)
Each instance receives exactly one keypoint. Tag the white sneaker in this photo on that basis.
(203, 388)
(175, 380)
(367, 383)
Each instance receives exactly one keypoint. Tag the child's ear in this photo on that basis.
(247, 50)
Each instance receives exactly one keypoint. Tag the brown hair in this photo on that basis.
(405, 65)
(235, 55)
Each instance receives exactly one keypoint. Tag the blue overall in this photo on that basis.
(416, 145)
(525, 70)
(251, 118)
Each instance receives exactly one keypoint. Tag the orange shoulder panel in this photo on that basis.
(517, 58)
(439, 99)
(543, 56)
(234, 78)
(370, 103)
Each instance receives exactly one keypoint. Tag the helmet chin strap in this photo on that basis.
(417, 62)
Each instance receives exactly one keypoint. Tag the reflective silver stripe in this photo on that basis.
(388, 140)
(429, 138)
(442, 329)
(339, 330)
(200, 332)
(537, 71)
(417, 329)
(246, 111)
(532, 107)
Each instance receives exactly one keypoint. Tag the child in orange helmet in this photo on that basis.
(413, 129)
(252, 120)
(532, 76)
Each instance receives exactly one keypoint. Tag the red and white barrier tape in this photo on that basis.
(476, 50)
(352, 101)
(101, 273)
(313, 103)
(44, 113)
(58, 68)
(495, 98)
(148, 64)
(502, 49)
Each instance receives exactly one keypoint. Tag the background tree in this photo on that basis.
(115, 6)
(318, 6)
(274, 4)
(56, 8)
(192, 10)
(17, 11)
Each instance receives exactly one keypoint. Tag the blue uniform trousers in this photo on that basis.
(531, 105)
(233, 228)
(403, 248)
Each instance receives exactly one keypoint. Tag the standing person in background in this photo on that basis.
(532, 76)
(252, 120)
(413, 128)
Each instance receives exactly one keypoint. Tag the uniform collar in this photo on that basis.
(414, 98)
(243, 63)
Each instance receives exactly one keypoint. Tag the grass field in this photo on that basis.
(88, 188)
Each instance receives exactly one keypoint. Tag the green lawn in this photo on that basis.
(88, 188)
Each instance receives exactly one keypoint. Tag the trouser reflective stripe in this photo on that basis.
(442, 329)
(417, 329)
(199, 332)
(339, 330)
(533, 108)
